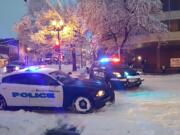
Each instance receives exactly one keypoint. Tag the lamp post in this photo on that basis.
(28, 49)
(58, 26)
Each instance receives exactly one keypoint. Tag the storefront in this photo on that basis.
(157, 57)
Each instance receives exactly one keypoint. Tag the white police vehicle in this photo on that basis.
(50, 88)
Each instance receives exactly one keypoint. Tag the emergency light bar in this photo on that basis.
(34, 68)
(105, 60)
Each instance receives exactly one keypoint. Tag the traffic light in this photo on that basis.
(57, 47)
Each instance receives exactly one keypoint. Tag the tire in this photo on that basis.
(3, 104)
(82, 104)
(112, 100)
(137, 85)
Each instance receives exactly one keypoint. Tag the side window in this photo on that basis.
(42, 79)
(16, 79)
(30, 79)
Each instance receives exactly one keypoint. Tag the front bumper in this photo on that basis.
(126, 82)
(99, 103)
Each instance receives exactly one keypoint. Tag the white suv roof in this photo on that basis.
(34, 69)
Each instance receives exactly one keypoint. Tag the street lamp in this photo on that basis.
(58, 26)
(28, 49)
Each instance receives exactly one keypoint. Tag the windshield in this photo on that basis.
(60, 76)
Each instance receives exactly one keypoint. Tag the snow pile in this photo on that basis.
(152, 109)
(25, 123)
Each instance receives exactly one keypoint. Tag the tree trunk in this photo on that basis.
(94, 55)
(126, 35)
(74, 67)
(116, 43)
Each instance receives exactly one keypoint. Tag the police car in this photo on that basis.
(116, 74)
(14, 66)
(50, 88)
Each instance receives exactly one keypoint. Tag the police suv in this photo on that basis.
(115, 74)
(50, 88)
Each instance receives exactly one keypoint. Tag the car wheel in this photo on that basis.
(112, 100)
(2, 103)
(137, 85)
(82, 104)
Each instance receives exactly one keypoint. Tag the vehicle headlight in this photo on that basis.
(17, 68)
(100, 93)
(117, 74)
(4, 69)
(126, 74)
(139, 72)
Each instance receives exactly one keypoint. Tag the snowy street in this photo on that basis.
(152, 109)
(63, 61)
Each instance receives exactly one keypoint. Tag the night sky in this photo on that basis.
(11, 12)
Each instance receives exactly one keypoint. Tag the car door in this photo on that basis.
(47, 92)
(15, 90)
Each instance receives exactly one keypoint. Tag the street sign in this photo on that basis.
(175, 62)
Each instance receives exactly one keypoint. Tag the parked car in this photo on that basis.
(115, 74)
(14, 66)
(50, 88)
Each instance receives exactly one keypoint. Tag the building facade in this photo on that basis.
(160, 52)
(9, 48)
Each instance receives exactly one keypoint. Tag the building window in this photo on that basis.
(170, 5)
(173, 25)
(175, 4)
(166, 5)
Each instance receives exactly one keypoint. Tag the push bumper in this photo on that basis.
(99, 103)
(126, 82)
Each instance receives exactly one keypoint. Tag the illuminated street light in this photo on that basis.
(139, 58)
(28, 49)
(61, 23)
(58, 26)
(54, 23)
(57, 43)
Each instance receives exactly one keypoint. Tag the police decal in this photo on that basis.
(33, 95)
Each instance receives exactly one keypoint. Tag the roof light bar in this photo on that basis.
(32, 68)
(104, 60)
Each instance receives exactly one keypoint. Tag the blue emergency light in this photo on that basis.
(104, 60)
(126, 74)
(32, 68)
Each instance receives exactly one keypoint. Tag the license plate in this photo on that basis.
(132, 80)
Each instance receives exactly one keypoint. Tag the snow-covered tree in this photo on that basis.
(26, 27)
(121, 18)
(40, 31)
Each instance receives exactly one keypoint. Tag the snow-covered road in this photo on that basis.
(152, 109)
